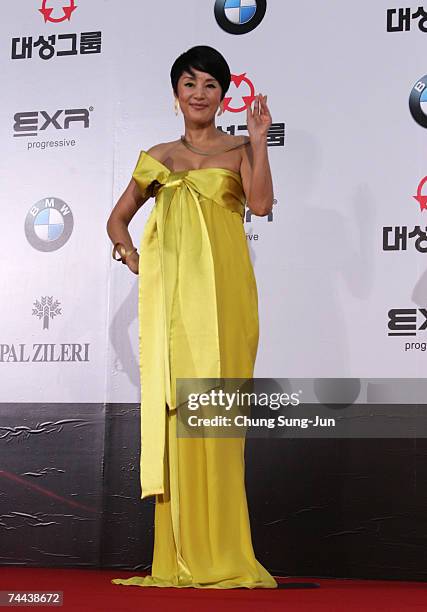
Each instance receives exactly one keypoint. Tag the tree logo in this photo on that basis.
(46, 309)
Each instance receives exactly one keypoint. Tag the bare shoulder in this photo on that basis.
(246, 153)
(242, 149)
(161, 150)
(234, 141)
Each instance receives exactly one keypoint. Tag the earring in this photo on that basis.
(220, 111)
(176, 106)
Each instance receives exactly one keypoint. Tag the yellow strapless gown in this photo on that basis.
(198, 317)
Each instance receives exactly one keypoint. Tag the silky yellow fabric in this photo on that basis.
(198, 317)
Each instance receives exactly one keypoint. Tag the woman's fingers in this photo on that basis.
(264, 106)
(259, 106)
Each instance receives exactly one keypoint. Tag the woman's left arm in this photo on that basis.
(255, 168)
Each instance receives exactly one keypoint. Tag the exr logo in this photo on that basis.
(32, 122)
(67, 11)
(407, 321)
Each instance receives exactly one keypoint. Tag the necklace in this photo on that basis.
(195, 150)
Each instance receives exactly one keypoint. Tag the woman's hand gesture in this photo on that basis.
(259, 119)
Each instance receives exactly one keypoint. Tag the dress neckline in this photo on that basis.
(192, 169)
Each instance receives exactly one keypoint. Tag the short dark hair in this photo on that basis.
(205, 59)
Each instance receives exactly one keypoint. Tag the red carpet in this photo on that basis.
(91, 590)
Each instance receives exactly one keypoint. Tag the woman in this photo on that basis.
(198, 318)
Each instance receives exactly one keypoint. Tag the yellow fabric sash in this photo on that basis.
(159, 270)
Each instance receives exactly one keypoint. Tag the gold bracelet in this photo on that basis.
(120, 247)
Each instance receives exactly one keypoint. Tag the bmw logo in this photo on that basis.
(49, 224)
(239, 16)
(418, 102)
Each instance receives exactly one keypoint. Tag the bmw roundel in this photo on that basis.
(418, 101)
(49, 224)
(239, 16)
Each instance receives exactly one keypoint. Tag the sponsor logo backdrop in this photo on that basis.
(339, 262)
(340, 267)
